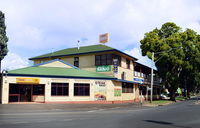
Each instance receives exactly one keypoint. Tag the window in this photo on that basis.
(76, 61)
(118, 58)
(137, 74)
(13, 89)
(127, 63)
(127, 87)
(38, 89)
(107, 59)
(98, 60)
(81, 89)
(59, 89)
(123, 76)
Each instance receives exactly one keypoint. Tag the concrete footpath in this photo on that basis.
(17, 108)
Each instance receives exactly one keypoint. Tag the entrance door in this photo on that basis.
(25, 93)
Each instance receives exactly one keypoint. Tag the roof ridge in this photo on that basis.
(102, 48)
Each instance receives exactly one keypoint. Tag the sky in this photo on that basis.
(36, 27)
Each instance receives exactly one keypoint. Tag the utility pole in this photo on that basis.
(152, 59)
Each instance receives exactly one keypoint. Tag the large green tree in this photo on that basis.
(3, 38)
(190, 75)
(177, 56)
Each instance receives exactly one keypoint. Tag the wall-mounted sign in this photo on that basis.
(100, 90)
(117, 91)
(115, 65)
(103, 38)
(28, 80)
(100, 83)
(103, 68)
(138, 80)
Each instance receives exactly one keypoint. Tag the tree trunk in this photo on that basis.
(172, 94)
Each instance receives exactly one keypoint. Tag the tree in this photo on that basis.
(3, 38)
(176, 65)
(190, 72)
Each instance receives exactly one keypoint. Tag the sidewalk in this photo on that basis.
(15, 108)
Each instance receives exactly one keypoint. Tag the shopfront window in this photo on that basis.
(81, 89)
(59, 89)
(127, 87)
(38, 89)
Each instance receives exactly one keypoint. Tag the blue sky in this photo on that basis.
(35, 27)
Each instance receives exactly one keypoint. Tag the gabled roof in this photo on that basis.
(69, 71)
(64, 64)
(81, 50)
(56, 72)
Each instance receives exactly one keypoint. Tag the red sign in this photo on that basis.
(103, 38)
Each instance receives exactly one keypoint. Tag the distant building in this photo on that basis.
(95, 73)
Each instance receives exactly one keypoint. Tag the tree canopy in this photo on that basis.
(178, 52)
(3, 38)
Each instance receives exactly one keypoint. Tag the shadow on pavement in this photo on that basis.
(166, 123)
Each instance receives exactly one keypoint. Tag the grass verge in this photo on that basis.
(181, 98)
(158, 103)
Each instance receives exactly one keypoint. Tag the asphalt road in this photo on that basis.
(179, 115)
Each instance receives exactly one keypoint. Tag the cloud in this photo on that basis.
(35, 27)
(14, 61)
(136, 52)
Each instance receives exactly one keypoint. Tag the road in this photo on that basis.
(184, 114)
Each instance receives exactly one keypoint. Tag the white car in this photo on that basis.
(164, 97)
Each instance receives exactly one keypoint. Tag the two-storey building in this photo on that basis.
(96, 73)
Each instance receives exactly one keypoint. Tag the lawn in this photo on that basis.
(160, 102)
(181, 98)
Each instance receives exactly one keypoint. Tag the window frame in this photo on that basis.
(80, 87)
(39, 91)
(128, 64)
(76, 61)
(127, 87)
(57, 86)
(106, 59)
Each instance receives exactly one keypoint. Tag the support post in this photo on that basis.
(152, 77)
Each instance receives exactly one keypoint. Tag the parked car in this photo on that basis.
(164, 97)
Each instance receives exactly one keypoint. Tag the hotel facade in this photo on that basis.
(89, 74)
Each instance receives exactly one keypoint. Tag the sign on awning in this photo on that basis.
(27, 80)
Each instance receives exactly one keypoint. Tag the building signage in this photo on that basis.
(100, 90)
(28, 80)
(115, 65)
(103, 38)
(103, 68)
(138, 80)
(117, 92)
(100, 83)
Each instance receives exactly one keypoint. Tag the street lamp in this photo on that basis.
(1, 82)
(152, 59)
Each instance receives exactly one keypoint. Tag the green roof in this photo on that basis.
(72, 51)
(57, 72)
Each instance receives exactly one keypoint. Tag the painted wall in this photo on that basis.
(56, 64)
(97, 87)
(87, 62)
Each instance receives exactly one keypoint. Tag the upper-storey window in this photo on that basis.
(128, 63)
(106, 59)
(118, 58)
(76, 61)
